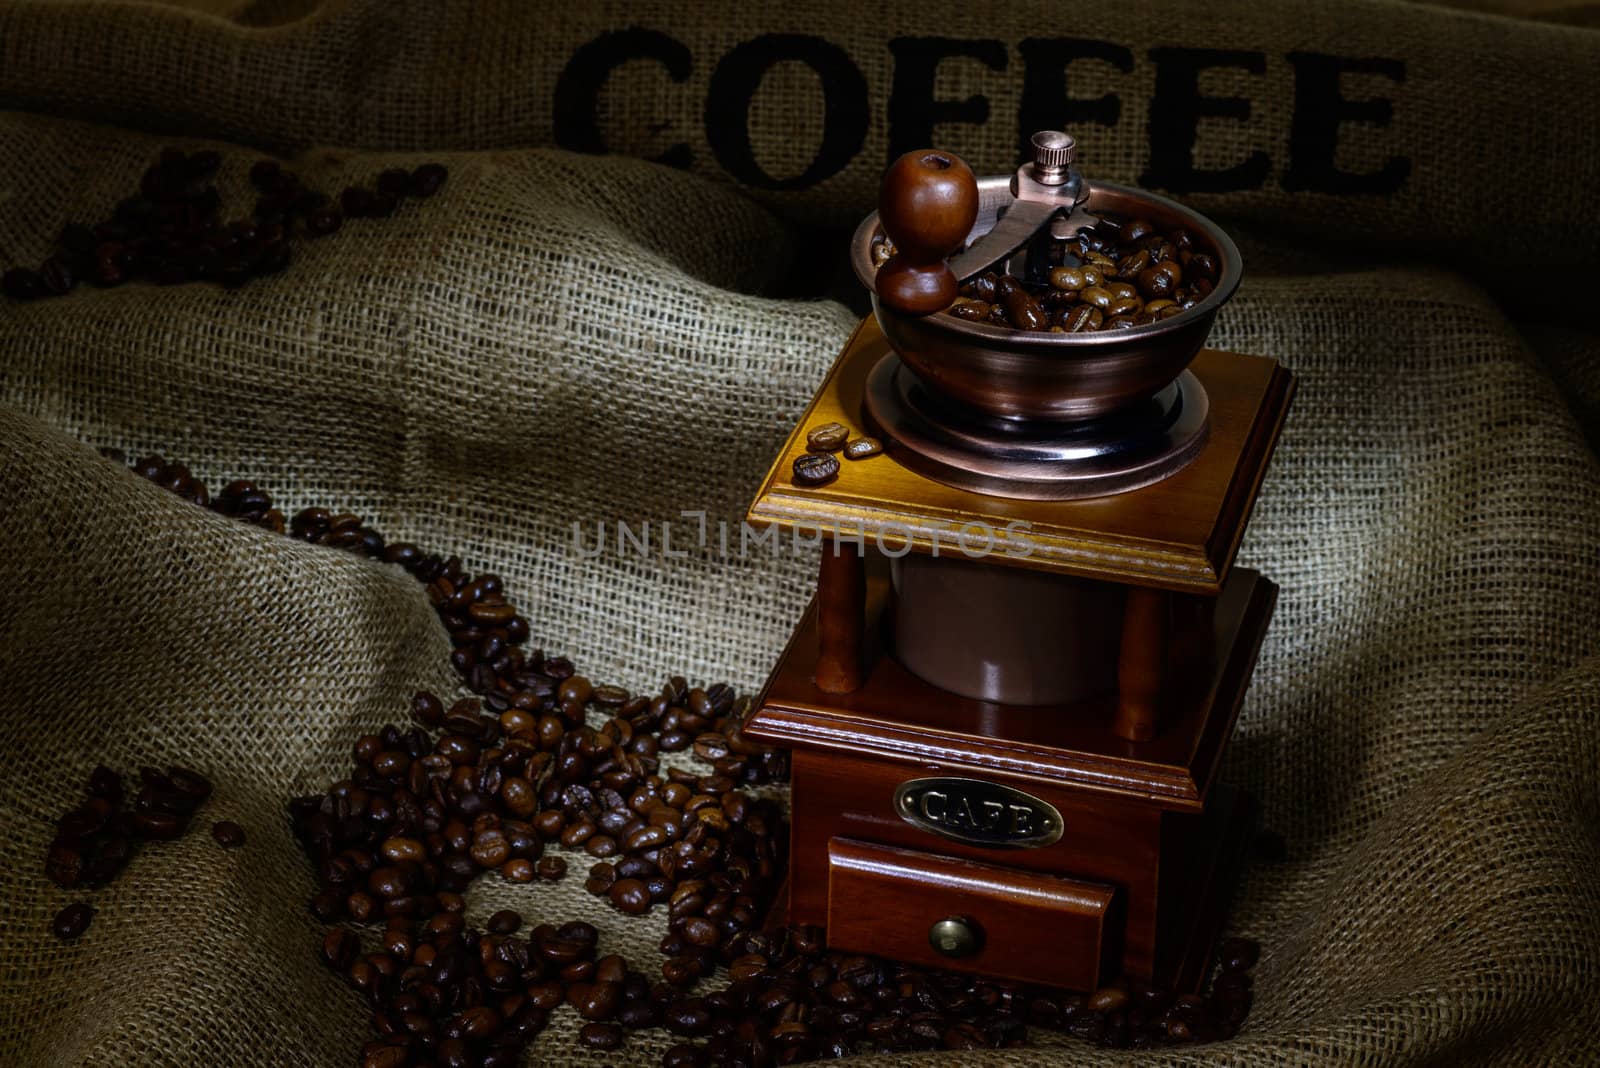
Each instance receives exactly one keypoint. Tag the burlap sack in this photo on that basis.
(1393, 122)
(557, 339)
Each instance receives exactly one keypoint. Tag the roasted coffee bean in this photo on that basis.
(85, 821)
(490, 849)
(63, 865)
(403, 849)
(1107, 999)
(427, 710)
(985, 287)
(504, 922)
(160, 826)
(551, 868)
(976, 311)
(610, 696)
(1135, 230)
(518, 870)
(630, 896)
(228, 834)
(57, 277)
(427, 179)
(595, 1000)
(602, 877)
(73, 920)
(356, 202)
(105, 783)
(475, 1023)
(360, 906)
(828, 437)
(688, 1017)
(861, 448)
(1156, 283)
(339, 949)
(1024, 311)
(1067, 278)
(1130, 266)
(1082, 317)
(324, 221)
(603, 1036)
(812, 469)
(701, 932)
(684, 1055)
(711, 747)
(1238, 954)
(1099, 296)
(395, 182)
(390, 881)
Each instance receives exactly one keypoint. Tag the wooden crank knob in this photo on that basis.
(926, 206)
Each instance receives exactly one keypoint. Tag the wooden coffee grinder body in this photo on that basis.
(1006, 715)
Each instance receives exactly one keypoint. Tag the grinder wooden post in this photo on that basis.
(1140, 663)
(841, 604)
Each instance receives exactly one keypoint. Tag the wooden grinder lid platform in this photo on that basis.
(1179, 534)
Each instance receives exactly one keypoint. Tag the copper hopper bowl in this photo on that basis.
(1034, 375)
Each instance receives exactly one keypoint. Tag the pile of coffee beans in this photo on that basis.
(540, 760)
(1117, 274)
(168, 231)
(491, 792)
(95, 841)
(817, 467)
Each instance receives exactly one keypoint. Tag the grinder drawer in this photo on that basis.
(948, 913)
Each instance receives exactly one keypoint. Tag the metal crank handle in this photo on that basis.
(1046, 190)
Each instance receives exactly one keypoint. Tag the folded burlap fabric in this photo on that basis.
(559, 339)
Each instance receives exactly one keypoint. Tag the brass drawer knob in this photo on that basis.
(955, 936)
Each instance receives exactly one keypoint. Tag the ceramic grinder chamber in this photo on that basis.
(1042, 414)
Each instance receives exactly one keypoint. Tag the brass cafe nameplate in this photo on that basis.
(978, 813)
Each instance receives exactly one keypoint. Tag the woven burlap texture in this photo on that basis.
(1482, 104)
(556, 340)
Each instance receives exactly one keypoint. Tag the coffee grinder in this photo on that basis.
(1008, 701)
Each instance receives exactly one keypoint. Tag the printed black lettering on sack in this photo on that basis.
(1045, 103)
(577, 96)
(913, 112)
(1175, 113)
(1320, 108)
(739, 75)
